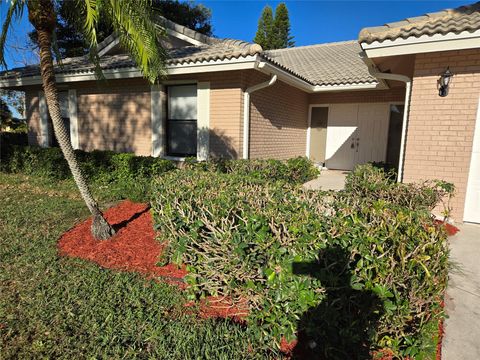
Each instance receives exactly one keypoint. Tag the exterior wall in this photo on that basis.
(360, 96)
(32, 113)
(226, 95)
(440, 130)
(225, 113)
(278, 119)
(115, 116)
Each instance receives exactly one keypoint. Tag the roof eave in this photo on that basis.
(240, 63)
(422, 44)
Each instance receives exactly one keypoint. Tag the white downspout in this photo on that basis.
(246, 111)
(408, 91)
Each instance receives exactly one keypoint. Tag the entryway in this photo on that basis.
(345, 135)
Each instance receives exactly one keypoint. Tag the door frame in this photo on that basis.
(328, 105)
(309, 125)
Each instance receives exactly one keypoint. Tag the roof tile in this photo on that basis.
(463, 18)
(325, 64)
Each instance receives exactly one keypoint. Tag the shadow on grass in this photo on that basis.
(342, 326)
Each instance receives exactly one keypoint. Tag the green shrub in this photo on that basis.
(349, 272)
(296, 170)
(369, 182)
(239, 235)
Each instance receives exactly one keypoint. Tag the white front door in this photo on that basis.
(472, 199)
(341, 136)
(356, 134)
(372, 133)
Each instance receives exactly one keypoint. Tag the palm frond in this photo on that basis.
(132, 21)
(15, 12)
(92, 13)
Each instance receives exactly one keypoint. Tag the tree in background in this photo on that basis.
(132, 21)
(194, 16)
(274, 33)
(265, 34)
(5, 113)
(71, 41)
(281, 27)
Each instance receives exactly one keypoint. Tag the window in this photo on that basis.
(182, 120)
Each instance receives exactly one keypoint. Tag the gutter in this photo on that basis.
(408, 90)
(246, 110)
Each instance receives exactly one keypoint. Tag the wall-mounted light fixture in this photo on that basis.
(444, 82)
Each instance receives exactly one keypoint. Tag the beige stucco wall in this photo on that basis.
(278, 120)
(440, 130)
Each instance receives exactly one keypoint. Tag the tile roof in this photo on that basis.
(324, 64)
(219, 49)
(464, 18)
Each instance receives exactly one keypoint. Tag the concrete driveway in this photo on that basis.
(462, 302)
(328, 180)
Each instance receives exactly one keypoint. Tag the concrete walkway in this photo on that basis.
(328, 180)
(462, 302)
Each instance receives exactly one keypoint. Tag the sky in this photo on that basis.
(312, 22)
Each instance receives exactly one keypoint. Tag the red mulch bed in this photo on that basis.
(134, 248)
(449, 228)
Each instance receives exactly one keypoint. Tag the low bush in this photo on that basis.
(347, 273)
(369, 182)
(295, 170)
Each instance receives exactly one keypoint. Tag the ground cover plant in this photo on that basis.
(347, 274)
(62, 308)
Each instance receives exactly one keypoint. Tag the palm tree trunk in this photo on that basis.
(41, 14)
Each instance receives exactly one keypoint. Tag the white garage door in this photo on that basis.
(356, 134)
(472, 200)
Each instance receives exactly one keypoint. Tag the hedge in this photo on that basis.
(346, 274)
(123, 175)
(295, 170)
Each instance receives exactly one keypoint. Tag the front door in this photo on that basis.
(371, 142)
(356, 134)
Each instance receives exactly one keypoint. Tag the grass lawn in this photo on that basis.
(54, 307)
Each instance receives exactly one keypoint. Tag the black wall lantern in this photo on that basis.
(444, 82)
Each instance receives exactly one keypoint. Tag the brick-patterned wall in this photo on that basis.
(360, 96)
(278, 120)
(225, 113)
(32, 113)
(115, 116)
(440, 130)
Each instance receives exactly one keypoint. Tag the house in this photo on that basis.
(341, 104)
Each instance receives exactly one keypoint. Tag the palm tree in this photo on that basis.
(132, 21)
